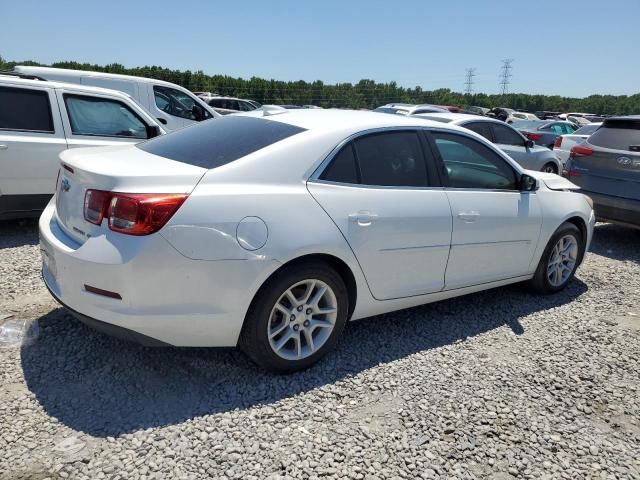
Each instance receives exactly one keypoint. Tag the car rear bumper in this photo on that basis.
(615, 209)
(166, 298)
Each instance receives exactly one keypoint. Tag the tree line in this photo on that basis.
(365, 94)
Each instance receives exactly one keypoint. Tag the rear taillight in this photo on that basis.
(579, 151)
(534, 136)
(131, 213)
(95, 202)
(557, 143)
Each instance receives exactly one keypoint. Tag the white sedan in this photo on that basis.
(270, 230)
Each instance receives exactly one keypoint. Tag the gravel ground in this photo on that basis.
(501, 384)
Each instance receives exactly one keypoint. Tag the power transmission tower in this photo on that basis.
(468, 84)
(505, 75)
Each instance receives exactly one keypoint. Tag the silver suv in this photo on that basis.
(607, 168)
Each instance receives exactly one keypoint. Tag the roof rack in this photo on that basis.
(23, 75)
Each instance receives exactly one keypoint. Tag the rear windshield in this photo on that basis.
(586, 130)
(618, 134)
(219, 141)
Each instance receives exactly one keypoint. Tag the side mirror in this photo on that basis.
(528, 183)
(197, 112)
(529, 143)
(153, 131)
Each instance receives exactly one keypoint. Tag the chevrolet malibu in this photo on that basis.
(270, 230)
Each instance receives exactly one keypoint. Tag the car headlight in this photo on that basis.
(588, 200)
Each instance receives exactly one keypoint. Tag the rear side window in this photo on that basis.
(618, 134)
(392, 159)
(97, 116)
(218, 142)
(25, 110)
(343, 167)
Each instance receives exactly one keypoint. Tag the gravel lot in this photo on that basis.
(502, 384)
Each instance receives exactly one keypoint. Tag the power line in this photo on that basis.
(505, 75)
(468, 84)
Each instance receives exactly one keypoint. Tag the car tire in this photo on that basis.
(560, 259)
(303, 334)
(550, 167)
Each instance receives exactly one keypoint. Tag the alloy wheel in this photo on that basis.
(562, 260)
(302, 319)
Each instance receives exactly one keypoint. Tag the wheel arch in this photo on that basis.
(582, 226)
(339, 265)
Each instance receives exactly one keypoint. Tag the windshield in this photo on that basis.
(392, 110)
(587, 129)
(216, 143)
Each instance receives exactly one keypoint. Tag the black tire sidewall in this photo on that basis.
(254, 341)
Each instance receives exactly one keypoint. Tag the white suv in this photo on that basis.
(40, 119)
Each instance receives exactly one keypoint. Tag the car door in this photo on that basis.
(175, 108)
(99, 120)
(31, 138)
(495, 225)
(380, 192)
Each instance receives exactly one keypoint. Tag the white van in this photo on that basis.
(172, 105)
(39, 119)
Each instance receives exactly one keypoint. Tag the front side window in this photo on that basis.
(245, 106)
(507, 136)
(481, 128)
(392, 159)
(103, 117)
(469, 164)
(25, 110)
(176, 103)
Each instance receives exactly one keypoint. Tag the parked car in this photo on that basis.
(564, 143)
(522, 116)
(501, 113)
(170, 104)
(547, 115)
(269, 230)
(606, 167)
(227, 105)
(409, 109)
(478, 110)
(521, 149)
(545, 132)
(40, 119)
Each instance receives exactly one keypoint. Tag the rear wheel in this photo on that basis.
(296, 318)
(550, 168)
(559, 260)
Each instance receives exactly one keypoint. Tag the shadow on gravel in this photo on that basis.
(103, 386)
(16, 233)
(616, 242)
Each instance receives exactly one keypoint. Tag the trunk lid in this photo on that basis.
(124, 169)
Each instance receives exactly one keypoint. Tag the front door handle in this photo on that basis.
(362, 218)
(4, 147)
(469, 217)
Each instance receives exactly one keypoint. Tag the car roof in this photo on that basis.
(338, 119)
(458, 118)
(88, 73)
(9, 79)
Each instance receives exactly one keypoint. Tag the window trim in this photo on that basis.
(66, 95)
(443, 167)
(47, 94)
(433, 180)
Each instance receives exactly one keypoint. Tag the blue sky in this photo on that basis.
(571, 47)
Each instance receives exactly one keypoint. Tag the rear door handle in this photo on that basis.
(4, 147)
(362, 218)
(468, 217)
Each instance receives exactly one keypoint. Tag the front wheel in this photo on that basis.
(296, 318)
(559, 260)
(550, 168)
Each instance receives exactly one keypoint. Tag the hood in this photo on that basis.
(552, 181)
